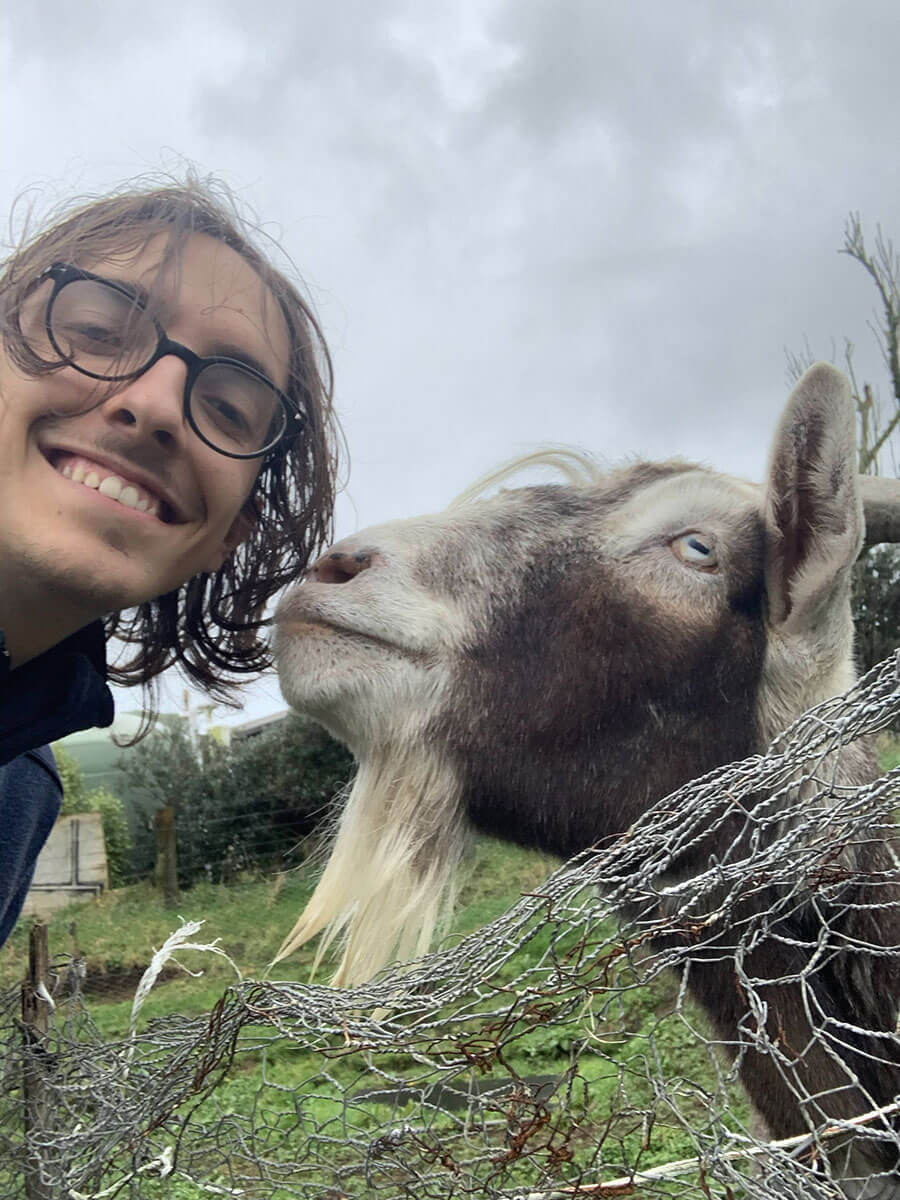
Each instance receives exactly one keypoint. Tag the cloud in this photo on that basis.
(521, 221)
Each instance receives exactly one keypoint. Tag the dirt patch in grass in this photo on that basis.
(120, 983)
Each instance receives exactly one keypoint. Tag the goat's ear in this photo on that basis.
(813, 511)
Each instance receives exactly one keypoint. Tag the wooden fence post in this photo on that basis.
(166, 857)
(35, 1025)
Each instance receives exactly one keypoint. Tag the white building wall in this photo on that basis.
(71, 866)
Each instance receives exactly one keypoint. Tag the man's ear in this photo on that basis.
(241, 528)
(813, 510)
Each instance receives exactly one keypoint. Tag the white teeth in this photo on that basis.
(111, 486)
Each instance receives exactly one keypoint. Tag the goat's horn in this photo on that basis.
(881, 504)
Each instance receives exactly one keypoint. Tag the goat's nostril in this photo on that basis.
(339, 567)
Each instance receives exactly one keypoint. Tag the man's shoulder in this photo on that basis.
(34, 771)
(58, 693)
(39, 762)
(30, 801)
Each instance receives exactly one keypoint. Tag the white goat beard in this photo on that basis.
(388, 885)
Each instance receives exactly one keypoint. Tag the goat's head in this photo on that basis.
(547, 663)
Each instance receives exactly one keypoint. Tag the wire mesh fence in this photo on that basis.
(558, 1052)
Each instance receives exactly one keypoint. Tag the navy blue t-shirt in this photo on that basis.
(56, 694)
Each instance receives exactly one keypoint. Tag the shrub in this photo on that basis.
(243, 807)
(876, 605)
(77, 799)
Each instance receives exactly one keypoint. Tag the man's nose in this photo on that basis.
(153, 404)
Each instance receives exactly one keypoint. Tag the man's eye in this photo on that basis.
(92, 336)
(696, 550)
(226, 415)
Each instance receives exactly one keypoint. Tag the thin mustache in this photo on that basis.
(143, 454)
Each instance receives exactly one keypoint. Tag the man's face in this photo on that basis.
(117, 502)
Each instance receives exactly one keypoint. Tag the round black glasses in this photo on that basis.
(101, 328)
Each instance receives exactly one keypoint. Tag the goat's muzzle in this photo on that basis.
(340, 566)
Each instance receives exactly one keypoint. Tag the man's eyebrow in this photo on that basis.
(138, 293)
(229, 350)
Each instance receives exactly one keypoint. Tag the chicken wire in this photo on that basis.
(404, 1087)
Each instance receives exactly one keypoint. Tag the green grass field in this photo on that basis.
(889, 751)
(613, 1056)
(118, 932)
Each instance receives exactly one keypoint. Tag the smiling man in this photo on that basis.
(166, 465)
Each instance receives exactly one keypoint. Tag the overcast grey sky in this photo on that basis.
(520, 221)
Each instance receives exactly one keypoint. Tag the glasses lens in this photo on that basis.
(101, 330)
(33, 322)
(236, 411)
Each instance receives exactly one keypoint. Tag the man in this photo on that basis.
(166, 465)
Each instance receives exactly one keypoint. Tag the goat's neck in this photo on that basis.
(797, 675)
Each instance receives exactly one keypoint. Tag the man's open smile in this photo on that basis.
(115, 483)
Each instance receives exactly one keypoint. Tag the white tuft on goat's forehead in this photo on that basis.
(618, 509)
(694, 496)
(653, 487)
(575, 467)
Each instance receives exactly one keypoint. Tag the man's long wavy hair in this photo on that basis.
(212, 626)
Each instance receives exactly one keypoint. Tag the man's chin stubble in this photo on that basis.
(79, 589)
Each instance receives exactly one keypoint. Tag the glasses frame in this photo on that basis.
(63, 274)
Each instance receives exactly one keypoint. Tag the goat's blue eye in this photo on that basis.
(696, 550)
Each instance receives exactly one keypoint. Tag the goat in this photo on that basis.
(547, 663)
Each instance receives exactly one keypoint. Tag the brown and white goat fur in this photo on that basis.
(547, 663)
